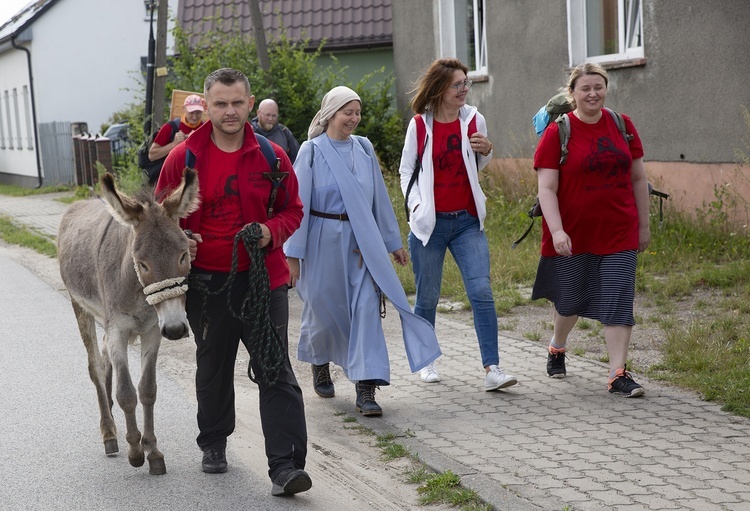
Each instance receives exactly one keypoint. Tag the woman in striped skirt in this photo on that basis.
(595, 207)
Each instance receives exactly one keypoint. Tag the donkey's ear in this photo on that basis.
(185, 198)
(124, 209)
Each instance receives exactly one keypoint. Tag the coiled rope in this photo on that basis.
(264, 343)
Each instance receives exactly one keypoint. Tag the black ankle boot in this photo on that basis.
(322, 382)
(366, 404)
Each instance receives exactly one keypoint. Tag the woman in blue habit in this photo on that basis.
(339, 258)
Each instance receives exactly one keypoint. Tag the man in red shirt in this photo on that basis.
(235, 192)
(173, 132)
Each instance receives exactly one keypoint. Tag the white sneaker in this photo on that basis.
(496, 379)
(429, 374)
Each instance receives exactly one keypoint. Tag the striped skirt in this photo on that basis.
(597, 287)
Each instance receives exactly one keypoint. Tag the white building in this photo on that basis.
(66, 61)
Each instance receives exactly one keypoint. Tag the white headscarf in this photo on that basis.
(332, 102)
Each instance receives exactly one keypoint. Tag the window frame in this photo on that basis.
(449, 33)
(577, 34)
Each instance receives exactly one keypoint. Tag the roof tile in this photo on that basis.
(343, 23)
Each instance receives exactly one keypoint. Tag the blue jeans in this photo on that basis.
(458, 232)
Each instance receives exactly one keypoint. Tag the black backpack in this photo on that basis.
(557, 110)
(152, 168)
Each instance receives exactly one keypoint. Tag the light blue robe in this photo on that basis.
(340, 317)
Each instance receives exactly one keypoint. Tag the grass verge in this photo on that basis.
(433, 488)
(26, 237)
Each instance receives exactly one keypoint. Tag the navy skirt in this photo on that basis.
(598, 287)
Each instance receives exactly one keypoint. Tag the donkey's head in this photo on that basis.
(159, 246)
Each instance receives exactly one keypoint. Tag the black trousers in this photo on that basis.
(282, 411)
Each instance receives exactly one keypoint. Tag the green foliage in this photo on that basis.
(297, 80)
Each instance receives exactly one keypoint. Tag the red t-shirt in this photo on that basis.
(595, 191)
(452, 187)
(222, 213)
(166, 133)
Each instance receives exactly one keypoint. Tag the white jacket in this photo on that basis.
(422, 221)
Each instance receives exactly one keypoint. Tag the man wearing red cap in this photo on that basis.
(168, 136)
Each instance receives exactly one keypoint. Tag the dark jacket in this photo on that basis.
(280, 135)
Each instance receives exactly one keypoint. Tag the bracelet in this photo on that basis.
(488, 150)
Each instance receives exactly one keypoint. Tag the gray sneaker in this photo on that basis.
(496, 379)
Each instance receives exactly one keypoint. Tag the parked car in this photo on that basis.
(118, 138)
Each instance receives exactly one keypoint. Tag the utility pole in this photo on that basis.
(160, 71)
(259, 33)
(149, 108)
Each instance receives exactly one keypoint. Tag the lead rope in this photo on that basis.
(264, 343)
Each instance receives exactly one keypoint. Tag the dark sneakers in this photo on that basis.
(556, 362)
(214, 461)
(290, 481)
(322, 382)
(366, 404)
(624, 385)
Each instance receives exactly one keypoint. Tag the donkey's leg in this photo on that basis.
(117, 347)
(150, 343)
(87, 328)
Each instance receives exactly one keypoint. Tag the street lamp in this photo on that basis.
(148, 114)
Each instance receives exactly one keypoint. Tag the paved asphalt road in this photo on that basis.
(50, 446)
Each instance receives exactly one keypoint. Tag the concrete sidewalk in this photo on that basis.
(544, 443)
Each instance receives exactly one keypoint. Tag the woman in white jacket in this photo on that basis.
(447, 206)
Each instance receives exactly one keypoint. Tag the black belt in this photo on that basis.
(451, 215)
(332, 216)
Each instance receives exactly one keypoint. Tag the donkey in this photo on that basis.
(112, 252)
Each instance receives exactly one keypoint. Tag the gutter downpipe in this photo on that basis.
(33, 110)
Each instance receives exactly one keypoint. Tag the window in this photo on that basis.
(18, 119)
(605, 30)
(9, 125)
(2, 127)
(462, 33)
(28, 118)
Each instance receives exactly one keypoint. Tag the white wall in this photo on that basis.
(17, 160)
(86, 56)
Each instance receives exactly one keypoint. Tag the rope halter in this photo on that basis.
(164, 289)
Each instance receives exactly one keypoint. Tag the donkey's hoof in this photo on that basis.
(110, 447)
(157, 467)
(136, 460)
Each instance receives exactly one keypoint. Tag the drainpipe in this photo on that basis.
(33, 110)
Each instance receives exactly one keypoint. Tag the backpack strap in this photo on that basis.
(563, 130)
(421, 143)
(175, 124)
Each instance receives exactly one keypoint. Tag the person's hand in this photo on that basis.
(179, 137)
(480, 144)
(401, 256)
(644, 238)
(193, 239)
(293, 270)
(266, 239)
(561, 242)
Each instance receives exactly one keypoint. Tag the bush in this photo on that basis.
(297, 80)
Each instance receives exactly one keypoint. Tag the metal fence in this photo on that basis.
(56, 144)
